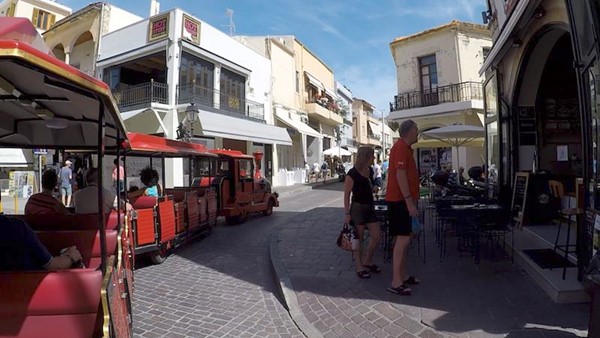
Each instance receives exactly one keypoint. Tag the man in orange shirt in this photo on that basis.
(401, 197)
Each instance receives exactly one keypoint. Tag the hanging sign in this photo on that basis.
(158, 28)
(191, 29)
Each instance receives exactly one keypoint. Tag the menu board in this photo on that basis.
(519, 198)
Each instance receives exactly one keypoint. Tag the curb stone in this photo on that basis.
(284, 285)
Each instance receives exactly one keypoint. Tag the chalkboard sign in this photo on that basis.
(519, 198)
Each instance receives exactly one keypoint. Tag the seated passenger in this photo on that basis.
(44, 202)
(86, 199)
(21, 250)
(149, 178)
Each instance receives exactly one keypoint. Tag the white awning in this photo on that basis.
(314, 81)
(12, 157)
(300, 126)
(330, 93)
(375, 127)
(218, 125)
(351, 149)
(506, 33)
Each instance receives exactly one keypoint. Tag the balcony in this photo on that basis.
(221, 103)
(347, 141)
(142, 95)
(320, 111)
(460, 92)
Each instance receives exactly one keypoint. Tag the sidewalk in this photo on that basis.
(456, 298)
(298, 188)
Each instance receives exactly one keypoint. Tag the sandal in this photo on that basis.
(363, 274)
(402, 290)
(373, 268)
(412, 281)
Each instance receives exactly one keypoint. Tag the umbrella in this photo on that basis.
(432, 143)
(456, 135)
(337, 151)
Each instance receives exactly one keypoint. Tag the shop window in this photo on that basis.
(196, 80)
(42, 19)
(593, 78)
(233, 91)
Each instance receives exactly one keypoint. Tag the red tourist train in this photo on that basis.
(220, 183)
(45, 103)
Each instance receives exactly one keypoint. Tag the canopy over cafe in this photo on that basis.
(543, 122)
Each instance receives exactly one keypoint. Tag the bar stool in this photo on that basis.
(557, 190)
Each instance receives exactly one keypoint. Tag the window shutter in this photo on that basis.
(51, 20)
(36, 15)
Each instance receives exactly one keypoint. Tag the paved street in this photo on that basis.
(456, 297)
(223, 286)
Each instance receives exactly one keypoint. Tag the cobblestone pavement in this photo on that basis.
(456, 298)
(222, 285)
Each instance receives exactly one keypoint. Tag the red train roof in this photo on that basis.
(21, 29)
(147, 144)
(47, 103)
(230, 153)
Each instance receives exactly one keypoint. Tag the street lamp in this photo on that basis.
(192, 116)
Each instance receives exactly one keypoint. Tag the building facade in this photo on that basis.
(366, 128)
(542, 113)
(344, 102)
(42, 13)
(172, 63)
(439, 85)
(76, 38)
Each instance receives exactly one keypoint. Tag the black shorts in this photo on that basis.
(378, 182)
(399, 221)
(362, 214)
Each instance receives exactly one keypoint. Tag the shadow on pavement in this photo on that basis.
(456, 296)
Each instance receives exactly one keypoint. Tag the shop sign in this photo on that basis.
(158, 28)
(191, 29)
(39, 151)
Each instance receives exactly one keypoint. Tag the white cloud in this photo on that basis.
(430, 9)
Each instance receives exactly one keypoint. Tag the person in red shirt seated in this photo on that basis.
(44, 202)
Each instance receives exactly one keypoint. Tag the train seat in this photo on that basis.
(87, 242)
(50, 304)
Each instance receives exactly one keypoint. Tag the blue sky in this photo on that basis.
(351, 36)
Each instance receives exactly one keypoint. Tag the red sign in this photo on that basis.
(191, 29)
(158, 28)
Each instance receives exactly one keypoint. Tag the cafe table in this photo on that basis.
(476, 217)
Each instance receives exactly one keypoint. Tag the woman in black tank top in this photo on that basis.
(360, 209)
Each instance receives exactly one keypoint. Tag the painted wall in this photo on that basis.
(406, 57)
(25, 9)
(470, 54)
(345, 96)
(119, 18)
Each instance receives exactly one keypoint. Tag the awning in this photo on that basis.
(506, 33)
(12, 157)
(300, 126)
(351, 149)
(375, 127)
(330, 93)
(314, 81)
(218, 125)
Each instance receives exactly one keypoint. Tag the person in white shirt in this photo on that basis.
(377, 175)
(86, 199)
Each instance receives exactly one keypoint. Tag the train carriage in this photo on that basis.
(45, 103)
(180, 213)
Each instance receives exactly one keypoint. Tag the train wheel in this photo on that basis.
(158, 257)
(269, 210)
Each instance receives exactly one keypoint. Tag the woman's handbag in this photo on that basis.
(348, 239)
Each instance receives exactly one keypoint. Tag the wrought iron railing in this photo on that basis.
(460, 92)
(142, 95)
(222, 102)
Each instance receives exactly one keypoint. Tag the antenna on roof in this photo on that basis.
(229, 14)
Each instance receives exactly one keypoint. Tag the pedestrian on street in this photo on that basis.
(66, 189)
(118, 177)
(361, 212)
(401, 197)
